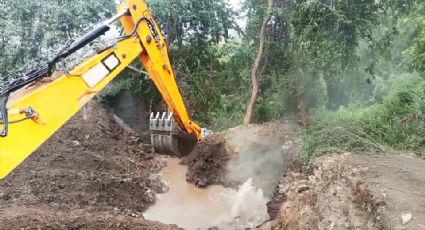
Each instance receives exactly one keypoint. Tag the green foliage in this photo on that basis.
(328, 32)
(32, 29)
(194, 22)
(312, 53)
(138, 83)
(398, 122)
(216, 83)
(331, 54)
(418, 49)
(208, 71)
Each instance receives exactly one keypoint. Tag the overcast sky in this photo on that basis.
(235, 3)
(241, 20)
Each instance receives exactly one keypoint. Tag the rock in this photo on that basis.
(302, 188)
(76, 143)
(347, 225)
(154, 182)
(406, 218)
(214, 228)
(142, 146)
(284, 188)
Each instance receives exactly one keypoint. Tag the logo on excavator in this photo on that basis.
(101, 70)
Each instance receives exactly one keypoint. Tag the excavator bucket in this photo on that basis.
(167, 138)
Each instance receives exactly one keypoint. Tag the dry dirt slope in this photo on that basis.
(89, 175)
(401, 179)
(353, 191)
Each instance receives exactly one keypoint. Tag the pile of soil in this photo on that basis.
(230, 158)
(351, 191)
(90, 174)
(207, 163)
(333, 195)
(400, 178)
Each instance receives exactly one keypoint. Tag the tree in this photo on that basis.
(194, 22)
(257, 67)
(33, 29)
(196, 31)
(417, 51)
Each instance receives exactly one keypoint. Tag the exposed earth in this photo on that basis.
(337, 191)
(93, 174)
(90, 175)
(352, 191)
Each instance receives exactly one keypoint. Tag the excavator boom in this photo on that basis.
(35, 107)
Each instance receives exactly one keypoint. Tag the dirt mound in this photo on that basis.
(90, 174)
(400, 177)
(44, 217)
(332, 195)
(261, 152)
(351, 191)
(278, 197)
(207, 163)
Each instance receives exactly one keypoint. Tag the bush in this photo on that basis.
(398, 122)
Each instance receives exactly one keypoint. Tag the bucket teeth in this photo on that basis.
(162, 122)
(164, 133)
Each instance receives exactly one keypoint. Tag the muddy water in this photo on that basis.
(190, 207)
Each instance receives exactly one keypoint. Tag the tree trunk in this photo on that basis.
(256, 69)
(303, 114)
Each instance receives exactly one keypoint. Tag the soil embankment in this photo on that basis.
(260, 152)
(207, 163)
(331, 195)
(90, 175)
(352, 191)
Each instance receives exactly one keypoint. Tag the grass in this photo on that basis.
(398, 123)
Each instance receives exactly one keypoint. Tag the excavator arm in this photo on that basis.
(34, 107)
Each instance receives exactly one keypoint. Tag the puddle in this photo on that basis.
(190, 207)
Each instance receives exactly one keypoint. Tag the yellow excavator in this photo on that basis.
(35, 104)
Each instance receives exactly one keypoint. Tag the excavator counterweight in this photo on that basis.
(35, 104)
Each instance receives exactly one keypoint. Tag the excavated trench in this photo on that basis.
(96, 173)
(227, 181)
(191, 207)
(250, 177)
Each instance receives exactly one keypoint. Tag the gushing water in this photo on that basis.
(248, 207)
(190, 207)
